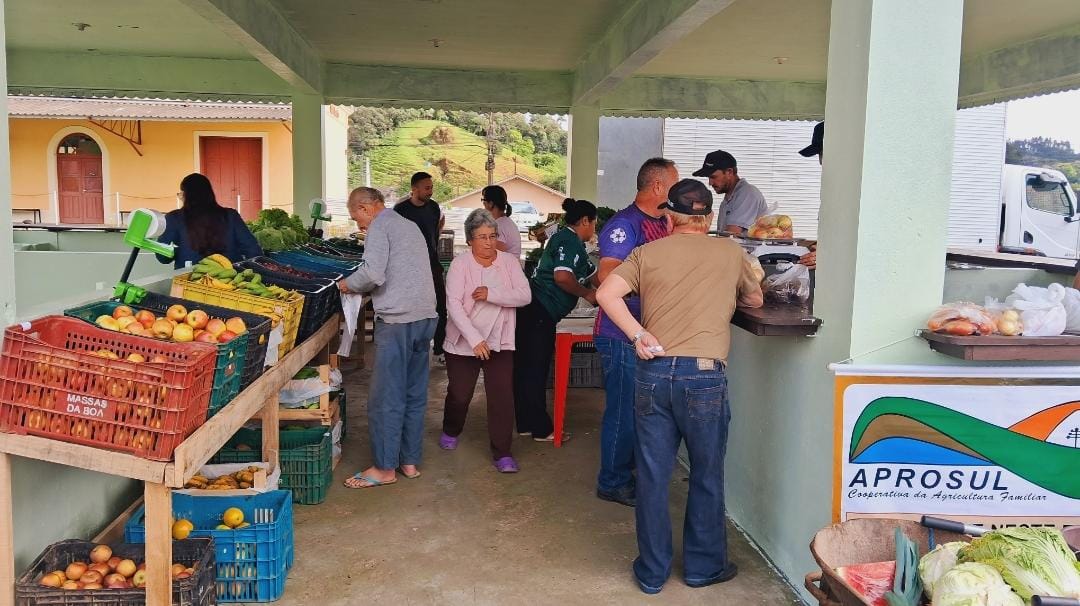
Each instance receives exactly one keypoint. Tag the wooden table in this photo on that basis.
(997, 348)
(775, 320)
(567, 333)
(159, 477)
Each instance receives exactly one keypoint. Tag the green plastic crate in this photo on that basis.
(228, 368)
(306, 459)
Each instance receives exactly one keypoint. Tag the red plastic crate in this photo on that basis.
(53, 384)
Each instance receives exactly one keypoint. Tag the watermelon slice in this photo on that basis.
(870, 581)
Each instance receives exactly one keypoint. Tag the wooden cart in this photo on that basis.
(159, 478)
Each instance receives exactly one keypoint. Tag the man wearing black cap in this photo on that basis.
(816, 148)
(689, 285)
(743, 203)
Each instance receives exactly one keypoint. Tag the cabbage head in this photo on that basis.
(1033, 561)
(974, 584)
(935, 564)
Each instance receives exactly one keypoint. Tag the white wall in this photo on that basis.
(768, 157)
(335, 142)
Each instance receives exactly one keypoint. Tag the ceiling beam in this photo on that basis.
(635, 38)
(81, 74)
(268, 36)
(1036, 67)
(716, 98)
(540, 92)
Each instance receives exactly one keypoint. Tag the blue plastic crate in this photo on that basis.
(251, 562)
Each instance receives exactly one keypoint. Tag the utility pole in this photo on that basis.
(490, 164)
(367, 171)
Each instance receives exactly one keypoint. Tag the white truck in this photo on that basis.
(1039, 215)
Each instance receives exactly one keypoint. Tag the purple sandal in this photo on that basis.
(447, 442)
(506, 465)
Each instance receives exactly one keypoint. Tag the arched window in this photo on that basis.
(78, 144)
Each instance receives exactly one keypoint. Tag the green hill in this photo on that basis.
(455, 157)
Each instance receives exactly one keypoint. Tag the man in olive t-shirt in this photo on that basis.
(689, 285)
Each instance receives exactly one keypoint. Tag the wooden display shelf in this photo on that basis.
(776, 321)
(261, 397)
(1064, 348)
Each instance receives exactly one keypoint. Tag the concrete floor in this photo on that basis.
(464, 534)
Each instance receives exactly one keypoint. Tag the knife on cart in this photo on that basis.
(1037, 600)
(953, 526)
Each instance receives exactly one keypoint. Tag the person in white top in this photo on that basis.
(483, 288)
(495, 202)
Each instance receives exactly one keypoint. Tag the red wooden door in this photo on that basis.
(234, 167)
(80, 185)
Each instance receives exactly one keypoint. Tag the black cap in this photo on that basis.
(689, 197)
(817, 141)
(717, 160)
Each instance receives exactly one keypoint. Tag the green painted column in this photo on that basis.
(584, 151)
(890, 108)
(7, 249)
(307, 151)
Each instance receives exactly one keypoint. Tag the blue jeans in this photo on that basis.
(399, 392)
(675, 400)
(617, 428)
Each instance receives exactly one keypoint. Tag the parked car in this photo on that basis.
(525, 215)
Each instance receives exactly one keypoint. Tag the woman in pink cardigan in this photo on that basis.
(483, 289)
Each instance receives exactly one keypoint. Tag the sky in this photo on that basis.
(1055, 116)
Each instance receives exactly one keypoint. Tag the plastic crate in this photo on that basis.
(230, 356)
(53, 384)
(445, 246)
(322, 298)
(251, 562)
(283, 268)
(305, 455)
(303, 259)
(320, 249)
(288, 310)
(196, 590)
(586, 367)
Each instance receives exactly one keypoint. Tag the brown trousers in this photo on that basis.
(462, 373)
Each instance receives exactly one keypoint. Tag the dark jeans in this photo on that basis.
(439, 280)
(399, 392)
(535, 344)
(674, 400)
(462, 372)
(617, 427)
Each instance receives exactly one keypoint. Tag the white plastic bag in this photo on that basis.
(791, 285)
(297, 393)
(1072, 310)
(273, 342)
(1041, 310)
(351, 305)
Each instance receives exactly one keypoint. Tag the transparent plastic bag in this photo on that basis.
(772, 227)
(1007, 320)
(961, 319)
(298, 393)
(1041, 309)
(791, 285)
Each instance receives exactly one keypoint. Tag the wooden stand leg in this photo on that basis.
(270, 436)
(158, 500)
(7, 535)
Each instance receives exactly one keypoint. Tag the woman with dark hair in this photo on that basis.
(494, 199)
(203, 227)
(563, 275)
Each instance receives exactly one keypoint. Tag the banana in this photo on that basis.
(222, 285)
(227, 274)
(256, 279)
(221, 260)
(210, 263)
(195, 276)
(237, 279)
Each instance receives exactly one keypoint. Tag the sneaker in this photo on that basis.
(729, 573)
(622, 496)
(447, 442)
(506, 465)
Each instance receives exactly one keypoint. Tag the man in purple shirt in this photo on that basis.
(641, 222)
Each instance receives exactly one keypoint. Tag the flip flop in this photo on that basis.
(372, 482)
(566, 435)
(410, 477)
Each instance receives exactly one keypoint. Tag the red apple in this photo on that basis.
(197, 319)
(236, 325)
(206, 337)
(226, 336)
(162, 329)
(122, 311)
(176, 313)
(215, 327)
(71, 585)
(126, 568)
(51, 580)
(91, 576)
(101, 568)
(114, 562)
(102, 553)
(115, 579)
(145, 317)
(75, 570)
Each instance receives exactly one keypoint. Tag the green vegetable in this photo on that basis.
(974, 584)
(1033, 561)
(935, 564)
(270, 239)
(307, 373)
(907, 589)
(276, 230)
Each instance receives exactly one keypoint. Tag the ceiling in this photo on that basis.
(142, 27)
(478, 34)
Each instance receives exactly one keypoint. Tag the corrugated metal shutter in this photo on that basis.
(768, 156)
(978, 155)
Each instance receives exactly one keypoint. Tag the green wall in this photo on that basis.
(92, 241)
(49, 280)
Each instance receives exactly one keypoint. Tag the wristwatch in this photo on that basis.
(638, 336)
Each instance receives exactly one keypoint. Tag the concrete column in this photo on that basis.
(890, 107)
(307, 148)
(584, 151)
(7, 249)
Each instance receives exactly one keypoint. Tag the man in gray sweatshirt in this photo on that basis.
(395, 272)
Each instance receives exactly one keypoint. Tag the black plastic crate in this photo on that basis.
(196, 590)
(322, 298)
(586, 367)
